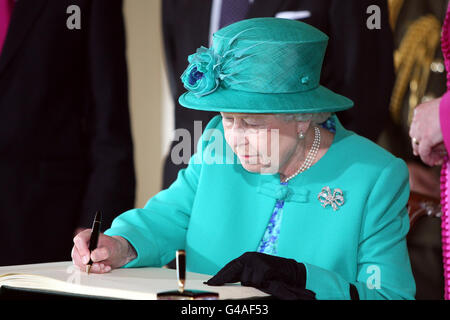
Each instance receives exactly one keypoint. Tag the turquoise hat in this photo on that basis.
(261, 65)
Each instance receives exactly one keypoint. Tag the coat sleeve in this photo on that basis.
(159, 229)
(384, 270)
(444, 118)
(111, 180)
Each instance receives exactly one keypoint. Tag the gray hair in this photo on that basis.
(316, 118)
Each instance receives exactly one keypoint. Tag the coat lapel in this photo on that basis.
(24, 15)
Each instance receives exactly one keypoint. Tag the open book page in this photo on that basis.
(133, 283)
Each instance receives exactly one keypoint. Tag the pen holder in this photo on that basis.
(181, 293)
(187, 295)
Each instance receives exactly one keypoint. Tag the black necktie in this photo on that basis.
(233, 11)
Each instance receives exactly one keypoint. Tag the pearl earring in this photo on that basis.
(301, 136)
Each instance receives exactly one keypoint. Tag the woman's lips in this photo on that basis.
(245, 155)
(249, 157)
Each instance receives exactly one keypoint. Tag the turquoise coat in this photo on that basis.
(216, 212)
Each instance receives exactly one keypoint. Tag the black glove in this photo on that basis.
(280, 277)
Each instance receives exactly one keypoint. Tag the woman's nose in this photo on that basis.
(238, 137)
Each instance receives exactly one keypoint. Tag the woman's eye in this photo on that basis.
(227, 122)
(253, 124)
(244, 123)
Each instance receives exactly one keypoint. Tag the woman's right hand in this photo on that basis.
(426, 134)
(111, 253)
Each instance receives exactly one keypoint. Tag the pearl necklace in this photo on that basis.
(311, 155)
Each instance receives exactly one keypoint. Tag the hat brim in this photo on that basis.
(320, 99)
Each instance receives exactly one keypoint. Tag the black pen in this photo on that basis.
(95, 232)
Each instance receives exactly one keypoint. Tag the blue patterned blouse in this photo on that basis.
(269, 241)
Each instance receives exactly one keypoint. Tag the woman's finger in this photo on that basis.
(100, 254)
(437, 158)
(81, 241)
(424, 150)
(76, 258)
(100, 268)
(415, 147)
(415, 143)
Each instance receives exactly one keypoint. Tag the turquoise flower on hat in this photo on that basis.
(202, 74)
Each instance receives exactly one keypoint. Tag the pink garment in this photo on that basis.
(6, 7)
(445, 224)
(444, 118)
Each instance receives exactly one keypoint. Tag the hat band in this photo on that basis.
(258, 67)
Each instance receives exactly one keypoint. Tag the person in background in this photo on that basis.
(420, 77)
(65, 140)
(430, 139)
(189, 24)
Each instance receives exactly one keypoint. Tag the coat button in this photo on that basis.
(282, 193)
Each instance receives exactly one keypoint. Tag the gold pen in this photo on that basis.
(182, 293)
(181, 269)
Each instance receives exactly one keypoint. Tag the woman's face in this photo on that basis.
(263, 142)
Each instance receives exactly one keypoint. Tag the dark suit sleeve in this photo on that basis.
(359, 64)
(111, 183)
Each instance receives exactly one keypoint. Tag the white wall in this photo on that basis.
(150, 104)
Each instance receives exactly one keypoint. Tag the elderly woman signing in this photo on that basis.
(279, 195)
